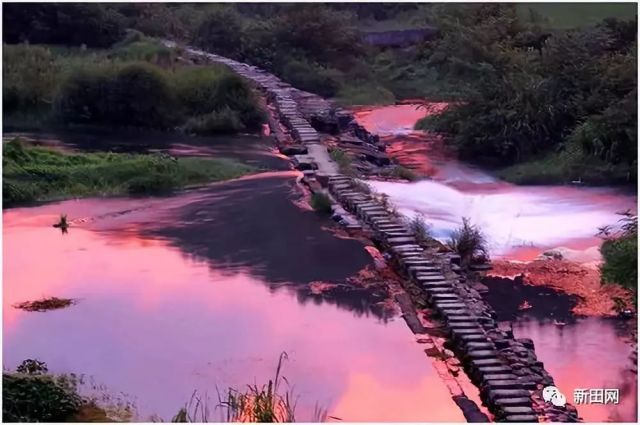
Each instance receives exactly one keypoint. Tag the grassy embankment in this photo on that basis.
(137, 83)
(41, 174)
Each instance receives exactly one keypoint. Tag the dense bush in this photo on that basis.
(620, 254)
(38, 398)
(321, 203)
(312, 77)
(136, 95)
(71, 24)
(468, 242)
(29, 79)
(525, 94)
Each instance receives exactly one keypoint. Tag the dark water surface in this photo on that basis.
(205, 290)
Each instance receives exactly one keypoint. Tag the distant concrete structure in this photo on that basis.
(400, 38)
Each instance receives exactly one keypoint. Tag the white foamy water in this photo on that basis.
(510, 216)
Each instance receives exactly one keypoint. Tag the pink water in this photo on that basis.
(153, 324)
(520, 223)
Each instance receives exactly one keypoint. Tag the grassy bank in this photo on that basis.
(138, 83)
(39, 174)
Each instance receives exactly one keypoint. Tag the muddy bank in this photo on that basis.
(581, 283)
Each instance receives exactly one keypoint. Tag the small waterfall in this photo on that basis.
(510, 216)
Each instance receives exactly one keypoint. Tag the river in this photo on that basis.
(520, 223)
(204, 290)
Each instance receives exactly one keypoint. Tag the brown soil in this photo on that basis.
(595, 299)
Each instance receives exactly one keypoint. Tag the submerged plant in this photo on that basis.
(468, 242)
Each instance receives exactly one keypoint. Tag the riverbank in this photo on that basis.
(36, 174)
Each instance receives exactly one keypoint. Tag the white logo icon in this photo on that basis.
(553, 395)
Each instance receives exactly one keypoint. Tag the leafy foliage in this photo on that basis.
(468, 242)
(126, 87)
(71, 24)
(520, 98)
(34, 397)
(321, 203)
(620, 253)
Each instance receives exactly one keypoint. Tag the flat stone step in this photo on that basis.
(482, 354)
(513, 402)
(497, 394)
(451, 311)
(521, 418)
(452, 305)
(463, 325)
(423, 277)
(461, 318)
(487, 370)
(400, 241)
(443, 297)
(517, 410)
(482, 346)
(476, 363)
(503, 385)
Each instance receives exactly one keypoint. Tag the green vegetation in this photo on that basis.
(420, 229)
(30, 395)
(117, 88)
(400, 172)
(343, 160)
(36, 174)
(565, 101)
(321, 203)
(266, 403)
(620, 253)
(572, 15)
(468, 242)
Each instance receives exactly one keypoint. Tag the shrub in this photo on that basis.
(420, 229)
(38, 398)
(29, 77)
(468, 242)
(72, 24)
(222, 121)
(311, 77)
(321, 203)
(620, 254)
(343, 160)
(221, 32)
(136, 95)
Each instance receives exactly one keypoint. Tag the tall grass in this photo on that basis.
(343, 160)
(321, 203)
(266, 403)
(38, 174)
(420, 229)
(468, 242)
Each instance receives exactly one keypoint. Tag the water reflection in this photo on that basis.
(590, 353)
(163, 313)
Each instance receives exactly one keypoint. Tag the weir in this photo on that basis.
(504, 368)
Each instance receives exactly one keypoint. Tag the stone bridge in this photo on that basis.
(505, 369)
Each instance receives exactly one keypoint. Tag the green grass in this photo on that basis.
(343, 160)
(571, 15)
(321, 203)
(562, 168)
(39, 174)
